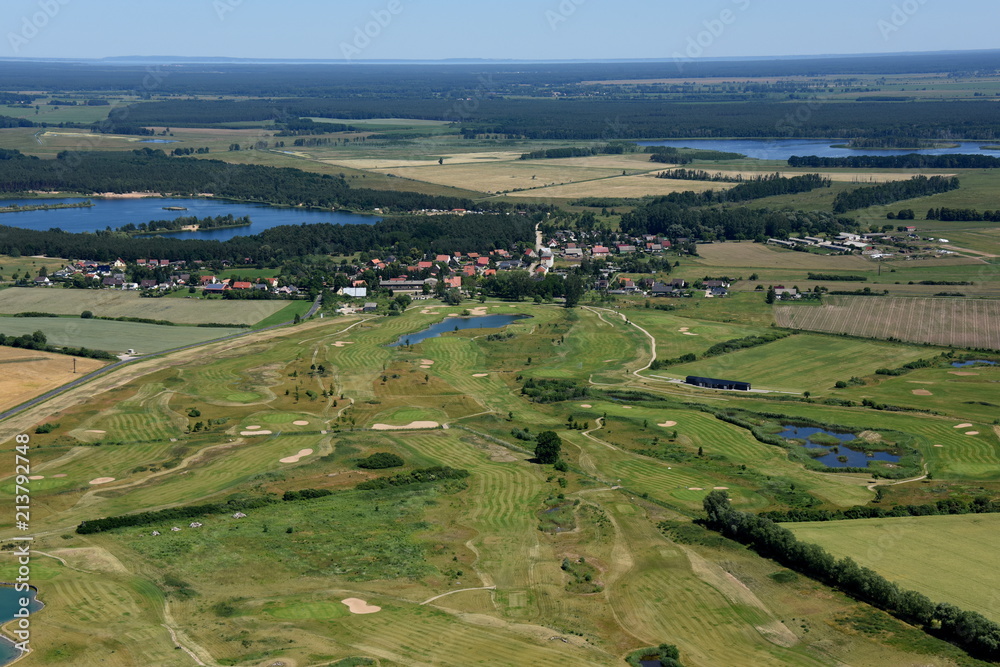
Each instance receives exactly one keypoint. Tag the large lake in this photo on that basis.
(119, 212)
(782, 149)
(9, 605)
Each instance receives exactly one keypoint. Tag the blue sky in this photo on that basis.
(517, 29)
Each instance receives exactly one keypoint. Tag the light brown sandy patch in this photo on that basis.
(425, 367)
(62, 474)
(963, 373)
(295, 459)
(102, 480)
(688, 333)
(586, 405)
(427, 362)
(480, 375)
(627, 407)
(248, 433)
(963, 426)
(683, 329)
(301, 422)
(342, 343)
(255, 427)
(357, 606)
(667, 424)
(922, 392)
(96, 431)
(91, 558)
(939, 445)
(478, 311)
(36, 477)
(410, 426)
(919, 382)
(972, 433)
(695, 488)
(721, 488)
(621, 186)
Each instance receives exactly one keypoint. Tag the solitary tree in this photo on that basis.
(548, 447)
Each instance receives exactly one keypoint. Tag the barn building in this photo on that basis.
(712, 383)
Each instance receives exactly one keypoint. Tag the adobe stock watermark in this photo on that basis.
(714, 29)
(35, 23)
(364, 35)
(224, 7)
(901, 15)
(561, 14)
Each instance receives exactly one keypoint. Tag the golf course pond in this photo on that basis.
(456, 324)
(9, 605)
(973, 362)
(838, 455)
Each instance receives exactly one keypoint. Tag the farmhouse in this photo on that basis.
(712, 383)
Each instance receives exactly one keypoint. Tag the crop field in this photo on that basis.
(116, 303)
(25, 374)
(947, 558)
(747, 255)
(110, 336)
(804, 362)
(948, 322)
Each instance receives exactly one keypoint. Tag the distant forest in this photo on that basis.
(601, 119)
(909, 161)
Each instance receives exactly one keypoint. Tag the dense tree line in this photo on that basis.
(233, 504)
(580, 151)
(151, 170)
(887, 193)
(663, 216)
(969, 630)
(10, 121)
(757, 187)
(978, 505)
(699, 175)
(910, 161)
(300, 126)
(380, 460)
(834, 277)
(962, 215)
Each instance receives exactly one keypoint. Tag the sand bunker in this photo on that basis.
(939, 445)
(342, 343)
(962, 373)
(721, 488)
(357, 606)
(102, 480)
(411, 425)
(295, 459)
(36, 477)
(478, 311)
(480, 375)
(427, 362)
(426, 368)
(253, 428)
(627, 407)
(688, 333)
(963, 426)
(695, 488)
(922, 392)
(972, 433)
(301, 422)
(683, 329)
(667, 424)
(255, 432)
(585, 405)
(96, 431)
(62, 474)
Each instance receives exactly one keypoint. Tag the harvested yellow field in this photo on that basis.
(25, 374)
(756, 255)
(502, 176)
(390, 162)
(622, 186)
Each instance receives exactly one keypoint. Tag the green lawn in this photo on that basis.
(110, 336)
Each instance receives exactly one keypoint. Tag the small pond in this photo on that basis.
(973, 362)
(455, 323)
(854, 458)
(9, 605)
(651, 663)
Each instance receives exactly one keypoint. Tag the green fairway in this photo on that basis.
(947, 558)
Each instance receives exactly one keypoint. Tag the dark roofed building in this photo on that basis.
(712, 383)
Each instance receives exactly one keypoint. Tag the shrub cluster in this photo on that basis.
(419, 476)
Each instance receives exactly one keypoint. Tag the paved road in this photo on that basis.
(118, 364)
